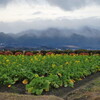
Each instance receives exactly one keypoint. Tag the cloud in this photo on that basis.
(22, 15)
(29, 13)
(64, 4)
(39, 24)
(68, 4)
(72, 4)
(4, 2)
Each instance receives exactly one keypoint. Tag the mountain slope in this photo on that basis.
(53, 38)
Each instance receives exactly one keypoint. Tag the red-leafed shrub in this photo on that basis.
(8, 53)
(29, 54)
(84, 53)
(1, 53)
(63, 53)
(49, 53)
(18, 53)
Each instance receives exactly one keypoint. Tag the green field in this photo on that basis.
(42, 73)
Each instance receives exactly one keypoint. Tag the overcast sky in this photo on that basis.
(19, 15)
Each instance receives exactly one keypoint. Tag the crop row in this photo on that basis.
(39, 53)
(44, 52)
(42, 73)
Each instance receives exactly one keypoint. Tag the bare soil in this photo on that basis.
(90, 91)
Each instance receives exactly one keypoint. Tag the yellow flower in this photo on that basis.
(9, 86)
(32, 60)
(7, 60)
(36, 75)
(25, 81)
(67, 63)
(77, 61)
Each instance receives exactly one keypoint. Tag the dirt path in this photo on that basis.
(10, 96)
(90, 91)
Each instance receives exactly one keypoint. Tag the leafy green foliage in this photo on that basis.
(42, 73)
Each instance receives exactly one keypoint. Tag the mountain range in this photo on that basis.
(52, 38)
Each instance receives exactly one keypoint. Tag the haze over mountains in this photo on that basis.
(52, 38)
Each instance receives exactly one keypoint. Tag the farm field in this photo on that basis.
(90, 90)
(39, 74)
